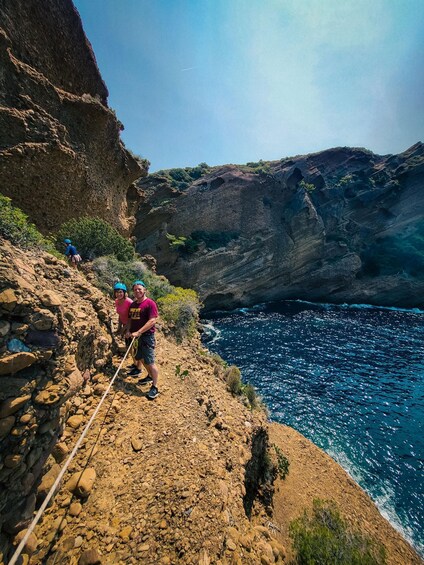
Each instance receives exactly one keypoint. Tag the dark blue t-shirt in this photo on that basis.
(71, 250)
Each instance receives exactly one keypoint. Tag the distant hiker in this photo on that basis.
(143, 314)
(71, 253)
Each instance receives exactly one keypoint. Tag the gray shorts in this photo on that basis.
(146, 348)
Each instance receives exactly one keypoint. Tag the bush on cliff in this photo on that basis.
(15, 227)
(323, 537)
(182, 178)
(93, 237)
(180, 310)
(109, 270)
(237, 387)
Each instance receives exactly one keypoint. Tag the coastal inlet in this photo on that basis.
(349, 378)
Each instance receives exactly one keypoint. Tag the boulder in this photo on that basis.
(81, 483)
(12, 364)
(8, 300)
(12, 405)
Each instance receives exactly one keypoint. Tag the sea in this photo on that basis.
(348, 377)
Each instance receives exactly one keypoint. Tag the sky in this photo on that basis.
(233, 81)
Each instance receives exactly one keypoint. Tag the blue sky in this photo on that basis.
(231, 81)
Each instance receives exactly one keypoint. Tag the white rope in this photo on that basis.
(21, 546)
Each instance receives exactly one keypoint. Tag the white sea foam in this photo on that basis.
(384, 501)
(211, 331)
(346, 306)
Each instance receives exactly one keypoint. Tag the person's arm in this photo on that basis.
(149, 324)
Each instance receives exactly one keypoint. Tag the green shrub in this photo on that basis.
(108, 270)
(179, 373)
(15, 227)
(180, 310)
(322, 537)
(93, 237)
(307, 186)
(181, 243)
(182, 178)
(250, 393)
(142, 161)
(219, 360)
(282, 462)
(233, 380)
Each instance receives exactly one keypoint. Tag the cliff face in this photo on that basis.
(339, 225)
(60, 152)
(54, 334)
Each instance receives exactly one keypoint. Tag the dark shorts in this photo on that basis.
(146, 349)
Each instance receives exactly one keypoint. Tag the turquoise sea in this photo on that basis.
(349, 378)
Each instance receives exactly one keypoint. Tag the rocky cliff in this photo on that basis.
(60, 152)
(339, 225)
(50, 342)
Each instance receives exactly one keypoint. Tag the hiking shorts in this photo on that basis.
(146, 349)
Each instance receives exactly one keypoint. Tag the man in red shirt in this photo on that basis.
(142, 315)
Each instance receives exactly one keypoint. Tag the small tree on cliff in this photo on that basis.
(94, 237)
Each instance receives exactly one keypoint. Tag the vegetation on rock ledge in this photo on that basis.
(323, 537)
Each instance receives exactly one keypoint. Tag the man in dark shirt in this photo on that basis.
(142, 316)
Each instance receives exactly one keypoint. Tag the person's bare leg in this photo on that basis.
(153, 372)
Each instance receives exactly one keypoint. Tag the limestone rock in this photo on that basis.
(90, 557)
(14, 363)
(12, 405)
(75, 509)
(137, 444)
(49, 396)
(81, 483)
(31, 543)
(75, 421)
(8, 299)
(60, 451)
(50, 298)
(42, 320)
(4, 327)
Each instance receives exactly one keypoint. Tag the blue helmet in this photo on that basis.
(138, 282)
(67, 241)
(120, 286)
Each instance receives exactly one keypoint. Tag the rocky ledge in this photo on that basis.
(342, 225)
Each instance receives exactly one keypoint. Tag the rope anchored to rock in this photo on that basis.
(51, 492)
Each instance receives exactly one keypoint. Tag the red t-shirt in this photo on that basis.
(140, 313)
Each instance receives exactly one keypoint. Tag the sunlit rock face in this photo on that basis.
(339, 225)
(60, 151)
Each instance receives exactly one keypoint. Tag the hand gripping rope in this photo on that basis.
(37, 517)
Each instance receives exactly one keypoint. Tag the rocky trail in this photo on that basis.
(170, 474)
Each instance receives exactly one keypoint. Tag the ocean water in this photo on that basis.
(349, 378)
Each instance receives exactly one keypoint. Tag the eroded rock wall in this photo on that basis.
(54, 335)
(339, 225)
(60, 152)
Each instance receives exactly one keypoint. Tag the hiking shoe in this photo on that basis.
(146, 381)
(131, 368)
(153, 392)
(134, 372)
